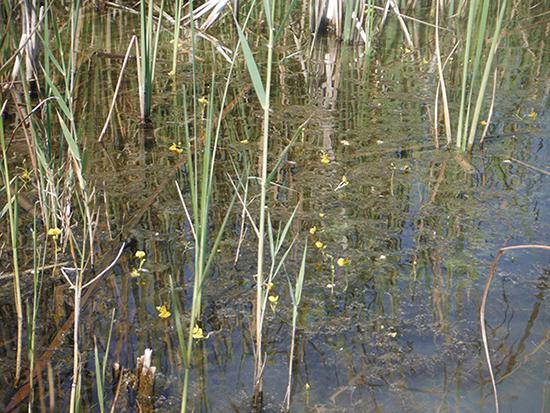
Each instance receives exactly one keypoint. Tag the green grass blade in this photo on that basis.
(252, 68)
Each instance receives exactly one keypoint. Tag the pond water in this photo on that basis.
(395, 330)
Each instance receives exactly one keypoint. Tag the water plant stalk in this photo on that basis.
(13, 225)
(149, 39)
(296, 296)
(258, 368)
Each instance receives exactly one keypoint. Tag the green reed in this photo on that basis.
(101, 365)
(296, 297)
(176, 39)
(148, 48)
(276, 238)
(477, 62)
(39, 261)
(13, 214)
(263, 94)
(201, 164)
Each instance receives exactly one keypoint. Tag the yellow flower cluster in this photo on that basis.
(163, 312)
(197, 332)
(54, 233)
(176, 148)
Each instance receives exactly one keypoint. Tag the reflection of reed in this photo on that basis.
(327, 55)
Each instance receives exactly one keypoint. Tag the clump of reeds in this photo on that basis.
(477, 57)
(148, 48)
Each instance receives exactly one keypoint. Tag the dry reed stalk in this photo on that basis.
(117, 88)
(492, 270)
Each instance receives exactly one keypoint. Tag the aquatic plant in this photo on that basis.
(13, 215)
(296, 296)
(52, 125)
(147, 59)
(476, 60)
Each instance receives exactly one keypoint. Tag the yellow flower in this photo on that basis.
(343, 262)
(270, 286)
(140, 255)
(54, 233)
(25, 175)
(163, 312)
(135, 273)
(344, 182)
(197, 332)
(203, 101)
(324, 158)
(273, 300)
(244, 141)
(175, 148)
(319, 244)
(533, 115)
(483, 123)
(321, 215)
(313, 230)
